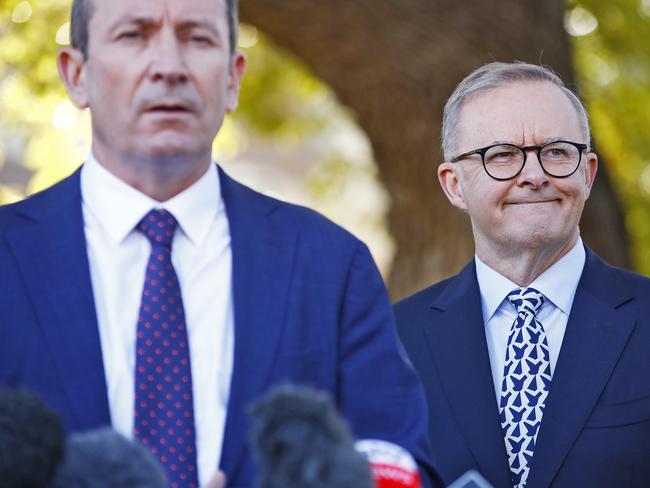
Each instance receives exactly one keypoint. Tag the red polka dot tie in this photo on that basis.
(164, 410)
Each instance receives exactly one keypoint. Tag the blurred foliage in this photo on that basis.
(612, 60)
(279, 97)
(43, 137)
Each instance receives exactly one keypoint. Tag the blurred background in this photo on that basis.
(341, 105)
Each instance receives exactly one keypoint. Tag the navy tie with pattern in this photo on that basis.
(526, 382)
(164, 410)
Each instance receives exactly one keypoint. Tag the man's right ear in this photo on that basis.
(450, 182)
(72, 69)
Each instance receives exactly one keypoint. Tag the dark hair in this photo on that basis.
(31, 440)
(82, 11)
(103, 459)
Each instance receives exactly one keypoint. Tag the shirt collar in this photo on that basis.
(119, 207)
(558, 283)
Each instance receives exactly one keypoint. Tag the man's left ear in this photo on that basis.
(237, 68)
(591, 168)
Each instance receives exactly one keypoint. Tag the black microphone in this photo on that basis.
(31, 440)
(103, 458)
(301, 442)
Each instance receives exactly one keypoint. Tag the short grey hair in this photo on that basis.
(495, 75)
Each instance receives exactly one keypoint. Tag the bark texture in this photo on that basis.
(394, 63)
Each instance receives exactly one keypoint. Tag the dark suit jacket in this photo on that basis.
(309, 305)
(596, 426)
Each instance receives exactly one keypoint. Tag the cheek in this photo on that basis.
(575, 194)
(210, 75)
(112, 88)
(488, 200)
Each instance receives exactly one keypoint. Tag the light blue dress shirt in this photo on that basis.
(558, 284)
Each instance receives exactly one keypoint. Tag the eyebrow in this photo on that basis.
(548, 140)
(151, 21)
(545, 141)
(132, 19)
(188, 25)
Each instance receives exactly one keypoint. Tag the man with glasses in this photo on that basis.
(536, 356)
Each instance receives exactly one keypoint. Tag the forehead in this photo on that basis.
(519, 112)
(107, 12)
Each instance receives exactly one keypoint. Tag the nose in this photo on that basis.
(168, 60)
(532, 174)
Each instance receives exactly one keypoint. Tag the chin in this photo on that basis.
(542, 237)
(174, 149)
(172, 140)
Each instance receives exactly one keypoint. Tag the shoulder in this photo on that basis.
(598, 270)
(419, 305)
(285, 217)
(635, 280)
(423, 298)
(441, 293)
(428, 306)
(40, 204)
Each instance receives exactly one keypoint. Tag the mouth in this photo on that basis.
(533, 202)
(169, 108)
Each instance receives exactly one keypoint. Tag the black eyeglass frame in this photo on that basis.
(483, 150)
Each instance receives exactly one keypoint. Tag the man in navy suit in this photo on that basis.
(152, 292)
(535, 356)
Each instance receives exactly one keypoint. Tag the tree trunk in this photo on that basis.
(394, 63)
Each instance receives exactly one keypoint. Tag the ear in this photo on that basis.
(591, 168)
(237, 68)
(450, 181)
(72, 66)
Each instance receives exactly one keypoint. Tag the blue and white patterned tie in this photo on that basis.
(526, 382)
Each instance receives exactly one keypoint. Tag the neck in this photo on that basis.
(522, 265)
(160, 178)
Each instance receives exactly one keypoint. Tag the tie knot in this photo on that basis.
(158, 226)
(526, 300)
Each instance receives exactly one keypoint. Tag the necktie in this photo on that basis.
(164, 410)
(526, 381)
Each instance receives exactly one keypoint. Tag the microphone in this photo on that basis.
(391, 465)
(301, 442)
(31, 440)
(471, 479)
(103, 458)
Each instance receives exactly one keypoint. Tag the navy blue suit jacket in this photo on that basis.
(596, 426)
(309, 304)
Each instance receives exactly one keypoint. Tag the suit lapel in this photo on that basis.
(596, 333)
(262, 253)
(50, 250)
(459, 349)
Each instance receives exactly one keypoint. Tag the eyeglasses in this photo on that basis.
(505, 161)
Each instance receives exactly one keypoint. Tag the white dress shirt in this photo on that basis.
(202, 258)
(558, 284)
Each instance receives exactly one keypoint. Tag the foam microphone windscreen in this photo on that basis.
(104, 458)
(301, 442)
(31, 440)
